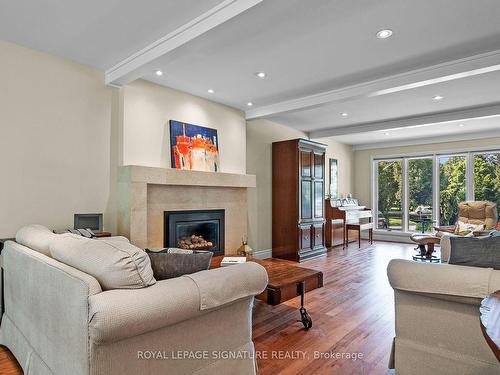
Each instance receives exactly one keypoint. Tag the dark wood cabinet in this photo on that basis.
(298, 199)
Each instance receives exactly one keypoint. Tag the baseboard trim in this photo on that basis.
(388, 237)
(263, 254)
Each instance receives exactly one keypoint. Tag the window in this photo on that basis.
(390, 192)
(420, 197)
(409, 189)
(452, 185)
(487, 177)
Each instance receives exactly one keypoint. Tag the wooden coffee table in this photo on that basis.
(287, 280)
(490, 321)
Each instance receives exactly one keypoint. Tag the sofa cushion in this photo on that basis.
(36, 237)
(170, 263)
(115, 264)
(475, 251)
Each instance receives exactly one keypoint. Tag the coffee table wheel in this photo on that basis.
(306, 318)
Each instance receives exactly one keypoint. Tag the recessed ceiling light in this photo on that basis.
(461, 125)
(211, 91)
(386, 133)
(249, 104)
(437, 97)
(159, 73)
(261, 74)
(384, 34)
(344, 114)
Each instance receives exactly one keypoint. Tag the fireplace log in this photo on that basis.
(195, 242)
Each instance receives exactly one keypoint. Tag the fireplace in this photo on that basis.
(195, 230)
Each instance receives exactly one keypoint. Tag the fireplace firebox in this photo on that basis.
(195, 230)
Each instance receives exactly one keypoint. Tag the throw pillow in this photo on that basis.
(476, 251)
(115, 264)
(466, 228)
(170, 263)
(36, 237)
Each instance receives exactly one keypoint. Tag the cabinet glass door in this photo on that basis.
(306, 199)
(305, 163)
(319, 201)
(318, 165)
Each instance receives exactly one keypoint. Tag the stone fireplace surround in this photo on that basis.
(145, 193)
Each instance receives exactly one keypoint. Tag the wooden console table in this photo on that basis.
(490, 321)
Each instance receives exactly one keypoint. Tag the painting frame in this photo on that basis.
(333, 188)
(193, 147)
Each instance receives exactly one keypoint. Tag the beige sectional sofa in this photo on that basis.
(58, 320)
(437, 319)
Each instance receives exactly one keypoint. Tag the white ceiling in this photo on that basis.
(466, 92)
(305, 47)
(316, 45)
(99, 33)
(432, 132)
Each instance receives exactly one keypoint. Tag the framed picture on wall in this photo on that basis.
(334, 178)
(193, 147)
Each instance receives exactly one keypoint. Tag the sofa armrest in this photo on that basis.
(46, 305)
(442, 279)
(118, 314)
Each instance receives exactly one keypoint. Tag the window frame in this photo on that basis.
(473, 166)
(435, 155)
(375, 193)
(406, 186)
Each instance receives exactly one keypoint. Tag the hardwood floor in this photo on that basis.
(352, 313)
(8, 364)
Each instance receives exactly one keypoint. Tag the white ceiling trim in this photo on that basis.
(451, 70)
(431, 140)
(434, 118)
(143, 61)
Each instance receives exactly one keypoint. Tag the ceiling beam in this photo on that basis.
(143, 61)
(466, 136)
(448, 71)
(433, 118)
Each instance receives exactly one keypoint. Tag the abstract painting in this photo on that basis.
(193, 147)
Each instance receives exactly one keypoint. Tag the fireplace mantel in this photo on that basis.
(145, 193)
(170, 176)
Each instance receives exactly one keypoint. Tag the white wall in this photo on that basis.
(146, 137)
(55, 154)
(345, 158)
(260, 136)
